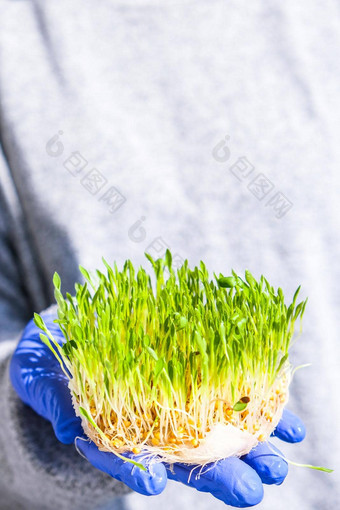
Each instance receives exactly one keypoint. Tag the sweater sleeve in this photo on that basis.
(15, 306)
(36, 470)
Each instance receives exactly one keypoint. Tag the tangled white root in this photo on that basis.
(221, 441)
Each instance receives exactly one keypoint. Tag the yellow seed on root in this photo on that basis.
(261, 437)
(117, 443)
(155, 441)
(136, 450)
(195, 442)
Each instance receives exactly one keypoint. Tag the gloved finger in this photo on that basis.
(50, 397)
(230, 480)
(149, 482)
(290, 428)
(271, 468)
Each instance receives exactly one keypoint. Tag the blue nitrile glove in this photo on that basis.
(39, 381)
(235, 481)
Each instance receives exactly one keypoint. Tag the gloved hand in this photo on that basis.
(40, 383)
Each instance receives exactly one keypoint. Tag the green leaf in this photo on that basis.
(146, 339)
(150, 259)
(38, 321)
(85, 273)
(180, 321)
(66, 349)
(158, 367)
(319, 468)
(60, 300)
(152, 353)
(229, 282)
(296, 294)
(250, 279)
(45, 340)
(56, 281)
(241, 404)
(168, 258)
(282, 361)
(73, 344)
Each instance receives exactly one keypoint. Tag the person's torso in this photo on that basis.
(205, 127)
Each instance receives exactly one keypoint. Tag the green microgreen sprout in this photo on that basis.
(186, 368)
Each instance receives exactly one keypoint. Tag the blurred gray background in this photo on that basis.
(112, 117)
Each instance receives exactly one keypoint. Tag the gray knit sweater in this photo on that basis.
(211, 127)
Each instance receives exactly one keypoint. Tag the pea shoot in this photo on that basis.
(177, 365)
